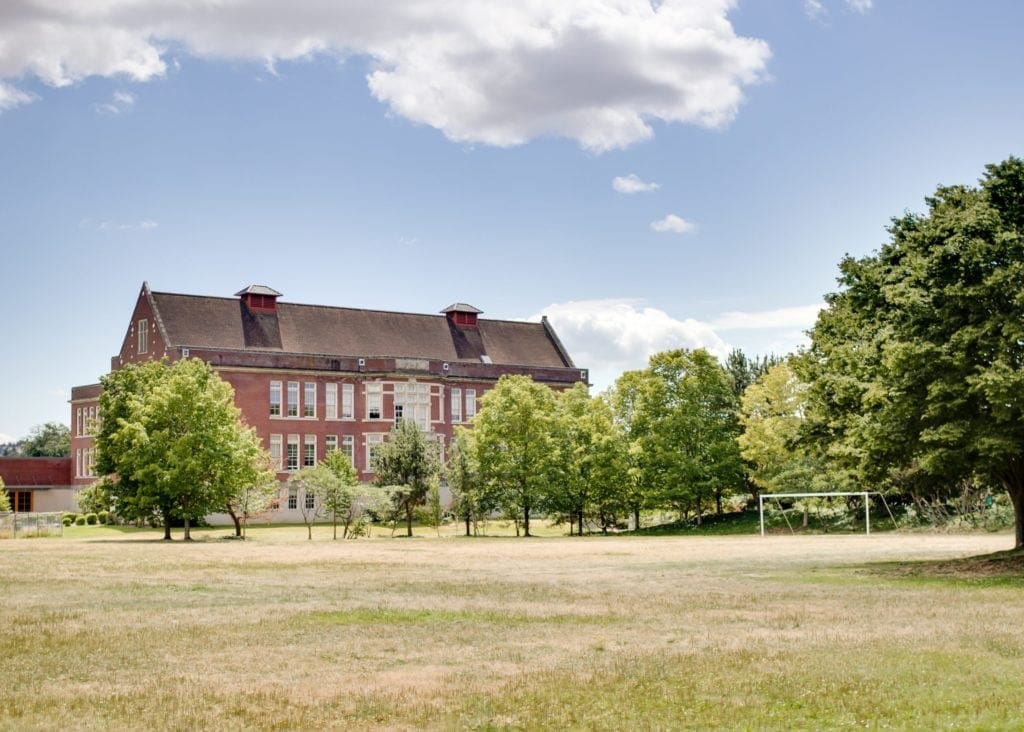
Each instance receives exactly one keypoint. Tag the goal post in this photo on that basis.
(864, 494)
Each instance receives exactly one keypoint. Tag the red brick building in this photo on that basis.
(314, 378)
(38, 483)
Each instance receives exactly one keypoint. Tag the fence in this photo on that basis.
(24, 525)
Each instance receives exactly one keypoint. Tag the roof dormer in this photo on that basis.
(259, 298)
(462, 315)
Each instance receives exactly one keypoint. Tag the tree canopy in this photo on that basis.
(408, 462)
(47, 440)
(173, 442)
(916, 369)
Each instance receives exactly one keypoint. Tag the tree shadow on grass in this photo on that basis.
(999, 568)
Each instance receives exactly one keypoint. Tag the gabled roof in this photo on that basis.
(194, 321)
(461, 307)
(258, 290)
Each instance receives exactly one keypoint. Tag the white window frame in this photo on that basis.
(470, 404)
(330, 401)
(143, 336)
(276, 389)
(373, 439)
(293, 442)
(293, 499)
(309, 405)
(348, 446)
(276, 452)
(78, 421)
(348, 400)
(374, 400)
(307, 442)
(456, 402)
(292, 403)
(330, 444)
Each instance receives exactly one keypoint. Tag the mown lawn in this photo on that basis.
(111, 628)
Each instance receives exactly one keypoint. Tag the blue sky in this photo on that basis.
(405, 156)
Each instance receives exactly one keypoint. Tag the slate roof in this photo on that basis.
(224, 323)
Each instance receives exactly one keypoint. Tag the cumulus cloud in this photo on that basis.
(632, 183)
(480, 71)
(615, 335)
(861, 6)
(673, 224)
(11, 97)
(143, 225)
(814, 10)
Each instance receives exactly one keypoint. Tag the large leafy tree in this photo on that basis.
(771, 413)
(917, 367)
(174, 442)
(47, 440)
(515, 446)
(471, 502)
(682, 411)
(5, 500)
(408, 462)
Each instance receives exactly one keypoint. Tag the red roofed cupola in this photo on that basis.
(462, 315)
(259, 298)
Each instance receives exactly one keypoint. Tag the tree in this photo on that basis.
(339, 498)
(95, 497)
(172, 442)
(407, 461)
(5, 500)
(310, 485)
(917, 367)
(470, 500)
(514, 445)
(47, 440)
(253, 499)
(772, 412)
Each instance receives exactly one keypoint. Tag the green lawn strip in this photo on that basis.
(405, 616)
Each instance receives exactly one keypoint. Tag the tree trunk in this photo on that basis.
(309, 531)
(526, 520)
(1016, 490)
(636, 519)
(408, 518)
(167, 526)
(188, 533)
(581, 522)
(467, 525)
(238, 523)
(334, 522)
(718, 501)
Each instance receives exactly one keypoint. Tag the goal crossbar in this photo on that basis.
(864, 494)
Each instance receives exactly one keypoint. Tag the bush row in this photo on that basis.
(90, 519)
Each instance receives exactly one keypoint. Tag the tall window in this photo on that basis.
(275, 398)
(309, 400)
(331, 401)
(470, 403)
(293, 453)
(293, 399)
(143, 334)
(275, 451)
(373, 401)
(330, 444)
(348, 446)
(293, 499)
(21, 501)
(309, 452)
(412, 401)
(347, 401)
(456, 405)
(373, 441)
(78, 422)
(310, 501)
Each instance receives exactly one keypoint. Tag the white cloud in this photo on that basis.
(143, 225)
(480, 71)
(632, 183)
(612, 336)
(860, 6)
(120, 101)
(814, 10)
(673, 224)
(6, 438)
(799, 317)
(11, 97)
(615, 335)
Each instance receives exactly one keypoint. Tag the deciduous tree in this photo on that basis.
(409, 462)
(47, 440)
(5, 500)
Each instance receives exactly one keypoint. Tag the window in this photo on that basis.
(21, 501)
(373, 441)
(412, 401)
(78, 421)
(331, 401)
(90, 427)
(293, 453)
(275, 398)
(275, 451)
(347, 400)
(310, 501)
(293, 399)
(470, 403)
(348, 446)
(309, 452)
(143, 336)
(309, 400)
(373, 401)
(293, 499)
(456, 405)
(78, 463)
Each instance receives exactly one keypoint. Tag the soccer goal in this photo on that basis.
(866, 495)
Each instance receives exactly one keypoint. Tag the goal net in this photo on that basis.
(864, 495)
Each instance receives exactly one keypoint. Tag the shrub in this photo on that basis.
(102, 516)
(80, 520)
(70, 515)
(67, 521)
(90, 518)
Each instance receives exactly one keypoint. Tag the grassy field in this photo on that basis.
(109, 628)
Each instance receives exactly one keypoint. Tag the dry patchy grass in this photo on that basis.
(109, 629)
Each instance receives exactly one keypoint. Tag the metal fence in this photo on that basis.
(25, 525)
